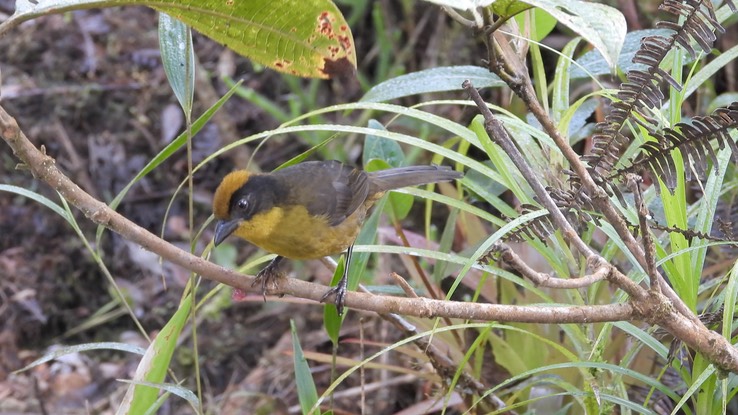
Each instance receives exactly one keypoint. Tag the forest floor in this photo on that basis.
(89, 86)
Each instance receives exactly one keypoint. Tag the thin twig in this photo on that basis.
(499, 135)
(540, 279)
(633, 182)
(458, 18)
(402, 282)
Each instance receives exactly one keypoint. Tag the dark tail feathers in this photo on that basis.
(398, 177)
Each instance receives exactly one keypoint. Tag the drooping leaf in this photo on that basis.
(67, 350)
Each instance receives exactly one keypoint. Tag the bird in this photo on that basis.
(308, 210)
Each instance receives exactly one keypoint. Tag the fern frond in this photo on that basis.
(693, 140)
(642, 93)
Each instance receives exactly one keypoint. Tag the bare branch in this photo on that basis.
(540, 279)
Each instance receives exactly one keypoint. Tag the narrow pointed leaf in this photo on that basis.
(154, 364)
(306, 391)
(175, 44)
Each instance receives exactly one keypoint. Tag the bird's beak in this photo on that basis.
(224, 228)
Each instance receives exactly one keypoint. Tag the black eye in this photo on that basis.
(242, 204)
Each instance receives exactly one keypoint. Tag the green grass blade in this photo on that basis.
(306, 391)
(154, 364)
(37, 198)
(66, 350)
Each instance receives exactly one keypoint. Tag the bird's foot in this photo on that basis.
(340, 292)
(268, 275)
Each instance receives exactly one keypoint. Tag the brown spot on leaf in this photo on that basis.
(282, 64)
(325, 24)
(230, 2)
(345, 42)
(341, 68)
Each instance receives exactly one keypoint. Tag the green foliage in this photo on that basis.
(379, 154)
(175, 44)
(154, 364)
(305, 38)
(303, 377)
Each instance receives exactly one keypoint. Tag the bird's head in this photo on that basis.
(232, 204)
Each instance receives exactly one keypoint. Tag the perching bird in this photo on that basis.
(309, 210)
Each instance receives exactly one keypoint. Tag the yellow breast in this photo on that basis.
(293, 233)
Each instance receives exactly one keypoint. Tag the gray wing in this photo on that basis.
(326, 188)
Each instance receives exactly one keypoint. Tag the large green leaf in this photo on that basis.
(541, 23)
(307, 38)
(380, 148)
(592, 63)
(509, 8)
(382, 153)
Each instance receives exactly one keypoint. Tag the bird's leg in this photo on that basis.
(268, 274)
(340, 289)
